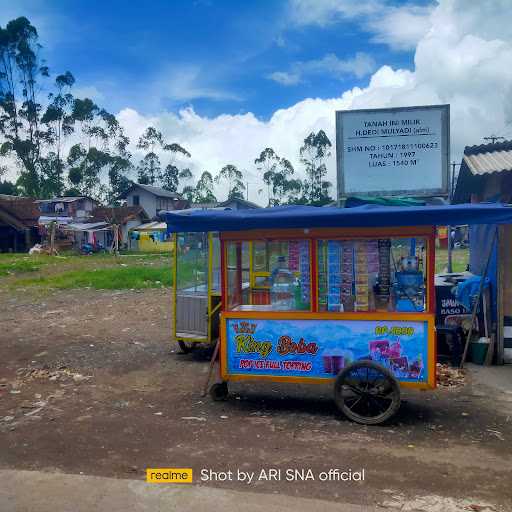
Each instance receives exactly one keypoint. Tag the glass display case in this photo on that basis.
(197, 288)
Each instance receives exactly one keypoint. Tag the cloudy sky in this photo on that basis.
(228, 78)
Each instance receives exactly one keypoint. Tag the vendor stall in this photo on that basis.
(196, 289)
(315, 295)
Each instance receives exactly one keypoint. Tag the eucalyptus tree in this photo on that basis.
(98, 165)
(267, 163)
(59, 121)
(313, 155)
(20, 108)
(149, 168)
(202, 192)
(34, 127)
(277, 174)
(172, 175)
(233, 178)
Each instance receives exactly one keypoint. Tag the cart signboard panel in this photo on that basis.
(319, 348)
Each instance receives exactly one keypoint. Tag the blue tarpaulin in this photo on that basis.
(283, 217)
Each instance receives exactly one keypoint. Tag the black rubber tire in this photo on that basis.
(187, 346)
(219, 391)
(368, 396)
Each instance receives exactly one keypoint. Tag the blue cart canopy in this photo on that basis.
(284, 217)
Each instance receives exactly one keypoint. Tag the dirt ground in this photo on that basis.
(90, 383)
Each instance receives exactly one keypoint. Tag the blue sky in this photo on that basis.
(227, 79)
(218, 56)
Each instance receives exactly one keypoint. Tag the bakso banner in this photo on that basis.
(395, 151)
(320, 348)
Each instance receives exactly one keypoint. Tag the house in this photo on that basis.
(486, 176)
(238, 204)
(127, 217)
(97, 229)
(18, 223)
(230, 204)
(154, 199)
(66, 209)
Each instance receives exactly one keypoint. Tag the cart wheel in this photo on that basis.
(219, 391)
(187, 346)
(367, 393)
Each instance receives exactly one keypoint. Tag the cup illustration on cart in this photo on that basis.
(334, 361)
(390, 355)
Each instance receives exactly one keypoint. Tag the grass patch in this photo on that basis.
(460, 259)
(129, 271)
(10, 264)
(117, 278)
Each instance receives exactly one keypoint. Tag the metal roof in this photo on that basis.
(69, 199)
(88, 226)
(157, 191)
(489, 158)
(158, 226)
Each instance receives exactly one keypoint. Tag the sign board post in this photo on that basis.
(394, 151)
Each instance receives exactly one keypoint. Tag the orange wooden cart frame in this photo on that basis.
(314, 235)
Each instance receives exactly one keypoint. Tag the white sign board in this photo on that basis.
(395, 151)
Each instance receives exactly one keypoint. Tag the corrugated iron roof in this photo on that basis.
(67, 199)
(88, 226)
(157, 191)
(157, 226)
(489, 158)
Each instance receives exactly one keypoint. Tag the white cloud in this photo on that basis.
(464, 60)
(329, 66)
(189, 82)
(398, 27)
(285, 77)
(327, 12)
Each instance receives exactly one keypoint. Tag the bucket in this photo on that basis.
(478, 351)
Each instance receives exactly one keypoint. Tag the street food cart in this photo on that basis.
(316, 295)
(196, 289)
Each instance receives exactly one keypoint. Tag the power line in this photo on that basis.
(493, 138)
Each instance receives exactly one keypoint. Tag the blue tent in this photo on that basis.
(282, 217)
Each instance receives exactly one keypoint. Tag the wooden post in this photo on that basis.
(53, 229)
(114, 248)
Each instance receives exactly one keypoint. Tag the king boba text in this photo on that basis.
(245, 343)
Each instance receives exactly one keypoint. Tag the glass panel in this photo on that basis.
(372, 275)
(260, 256)
(282, 282)
(215, 284)
(234, 273)
(192, 263)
